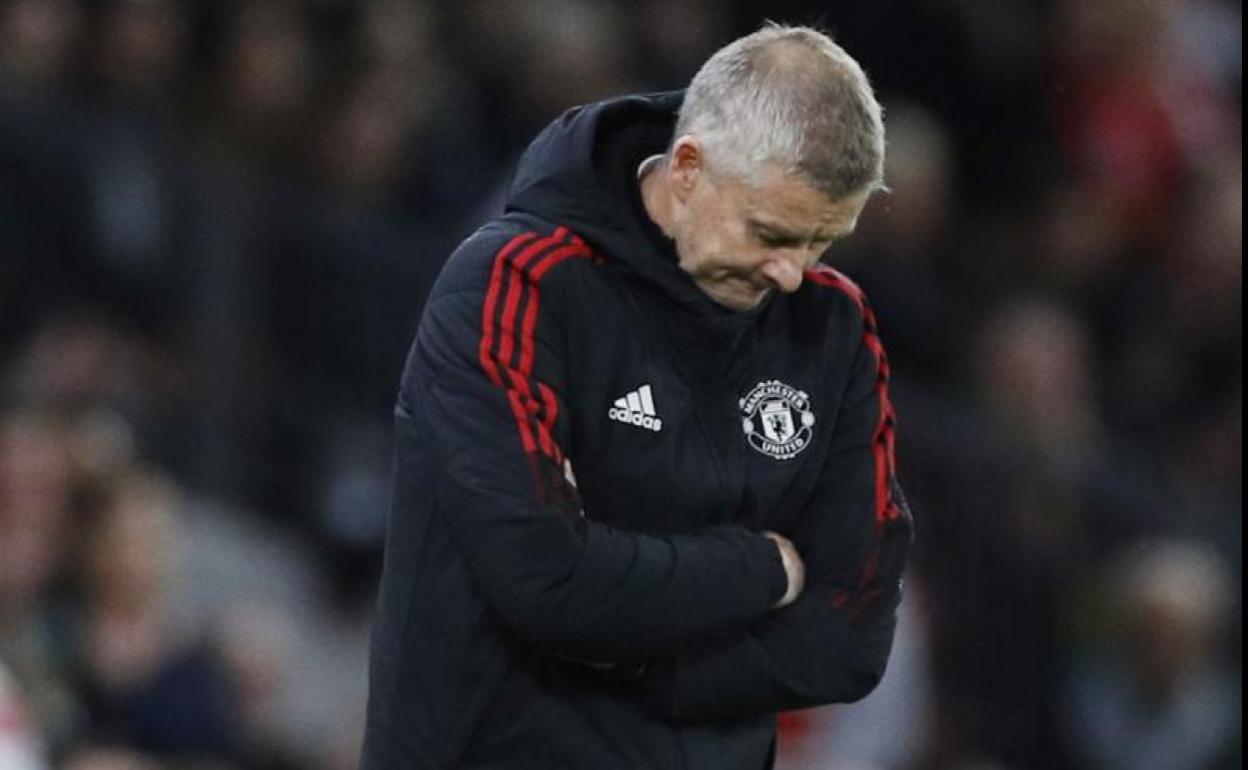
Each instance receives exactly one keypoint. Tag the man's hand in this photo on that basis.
(794, 568)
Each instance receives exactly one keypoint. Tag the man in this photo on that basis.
(644, 485)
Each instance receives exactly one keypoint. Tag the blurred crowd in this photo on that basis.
(218, 220)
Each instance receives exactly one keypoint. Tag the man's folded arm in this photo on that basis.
(488, 414)
(833, 643)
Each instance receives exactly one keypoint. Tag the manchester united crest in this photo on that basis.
(778, 421)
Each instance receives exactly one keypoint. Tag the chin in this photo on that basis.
(738, 302)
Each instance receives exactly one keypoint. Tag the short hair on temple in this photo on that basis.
(788, 96)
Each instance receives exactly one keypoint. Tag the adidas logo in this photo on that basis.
(636, 408)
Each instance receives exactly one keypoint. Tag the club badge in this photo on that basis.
(778, 421)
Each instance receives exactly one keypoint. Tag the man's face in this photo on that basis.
(741, 240)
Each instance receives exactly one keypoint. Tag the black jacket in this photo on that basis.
(587, 449)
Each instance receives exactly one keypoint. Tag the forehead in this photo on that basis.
(780, 199)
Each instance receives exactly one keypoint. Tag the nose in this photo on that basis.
(782, 274)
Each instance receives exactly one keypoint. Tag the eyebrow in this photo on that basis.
(784, 233)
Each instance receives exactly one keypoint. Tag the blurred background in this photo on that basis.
(217, 224)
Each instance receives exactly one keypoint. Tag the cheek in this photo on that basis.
(693, 241)
(714, 240)
(705, 242)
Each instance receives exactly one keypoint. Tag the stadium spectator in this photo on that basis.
(36, 519)
(151, 678)
(1156, 691)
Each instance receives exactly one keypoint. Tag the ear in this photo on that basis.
(687, 164)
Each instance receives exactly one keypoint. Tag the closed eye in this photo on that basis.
(779, 241)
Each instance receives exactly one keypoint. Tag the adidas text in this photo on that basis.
(637, 408)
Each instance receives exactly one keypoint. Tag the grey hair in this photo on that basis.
(789, 96)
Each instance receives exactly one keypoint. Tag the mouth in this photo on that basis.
(732, 289)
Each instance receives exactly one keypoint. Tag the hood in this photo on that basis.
(581, 171)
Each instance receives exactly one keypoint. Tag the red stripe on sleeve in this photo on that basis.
(524, 406)
(530, 314)
(882, 440)
(549, 405)
(491, 300)
(550, 411)
(535, 419)
(522, 421)
(488, 335)
(515, 288)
